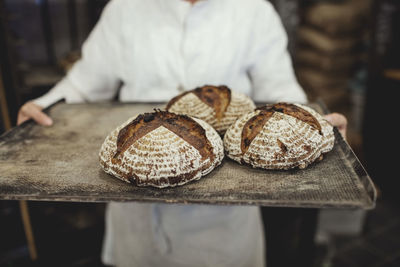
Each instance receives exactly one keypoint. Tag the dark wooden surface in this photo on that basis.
(60, 163)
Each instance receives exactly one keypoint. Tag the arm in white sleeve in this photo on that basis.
(62, 90)
(270, 67)
(95, 76)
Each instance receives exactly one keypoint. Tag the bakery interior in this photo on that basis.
(345, 54)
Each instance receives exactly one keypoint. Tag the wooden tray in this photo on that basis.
(60, 163)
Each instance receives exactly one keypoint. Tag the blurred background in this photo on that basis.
(345, 53)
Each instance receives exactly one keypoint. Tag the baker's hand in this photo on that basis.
(32, 111)
(338, 120)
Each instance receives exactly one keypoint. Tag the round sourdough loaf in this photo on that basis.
(217, 105)
(279, 136)
(161, 149)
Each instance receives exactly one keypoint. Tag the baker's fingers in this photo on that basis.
(32, 111)
(21, 118)
(338, 120)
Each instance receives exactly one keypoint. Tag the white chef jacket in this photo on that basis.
(157, 48)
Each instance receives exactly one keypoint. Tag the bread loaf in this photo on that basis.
(279, 136)
(161, 149)
(218, 106)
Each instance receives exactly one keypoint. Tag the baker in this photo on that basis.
(150, 51)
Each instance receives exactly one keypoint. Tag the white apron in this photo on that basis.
(183, 235)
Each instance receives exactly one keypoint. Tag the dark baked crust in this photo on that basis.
(182, 125)
(253, 127)
(255, 124)
(217, 97)
(161, 149)
(279, 136)
(294, 111)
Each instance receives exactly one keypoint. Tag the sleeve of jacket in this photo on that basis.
(270, 66)
(95, 76)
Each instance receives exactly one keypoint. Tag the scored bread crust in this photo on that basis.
(190, 103)
(161, 157)
(284, 141)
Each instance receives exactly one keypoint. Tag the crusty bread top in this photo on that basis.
(294, 111)
(161, 149)
(255, 124)
(216, 97)
(217, 105)
(182, 125)
(279, 136)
